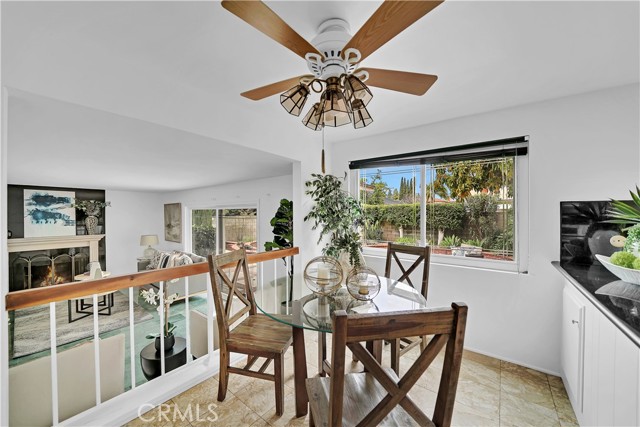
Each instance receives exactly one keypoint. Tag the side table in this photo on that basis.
(85, 308)
(174, 358)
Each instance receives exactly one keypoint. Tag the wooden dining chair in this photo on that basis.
(244, 330)
(403, 345)
(377, 396)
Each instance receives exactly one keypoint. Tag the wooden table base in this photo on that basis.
(300, 372)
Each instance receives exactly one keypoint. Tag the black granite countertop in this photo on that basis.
(617, 300)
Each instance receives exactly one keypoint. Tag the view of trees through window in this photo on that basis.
(215, 231)
(468, 205)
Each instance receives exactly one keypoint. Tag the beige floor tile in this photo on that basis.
(260, 423)
(490, 393)
(563, 406)
(526, 384)
(260, 394)
(481, 358)
(480, 373)
(231, 412)
(164, 415)
(516, 411)
(483, 400)
(466, 416)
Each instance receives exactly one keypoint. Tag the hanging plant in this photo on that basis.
(338, 215)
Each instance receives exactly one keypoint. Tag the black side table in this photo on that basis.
(150, 358)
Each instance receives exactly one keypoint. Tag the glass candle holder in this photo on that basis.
(363, 283)
(323, 275)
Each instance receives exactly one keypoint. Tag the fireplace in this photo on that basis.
(48, 261)
(36, 269)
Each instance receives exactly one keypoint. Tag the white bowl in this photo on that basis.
(626, 274)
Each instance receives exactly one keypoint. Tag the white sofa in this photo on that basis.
(30, 383)
(164, 259)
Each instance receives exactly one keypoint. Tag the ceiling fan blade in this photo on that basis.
(389, 20)
(401, 81)
(259, 16)
(272, 89)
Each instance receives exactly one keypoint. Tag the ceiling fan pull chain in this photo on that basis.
(322, 160)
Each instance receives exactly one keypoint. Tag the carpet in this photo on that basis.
(31, 326)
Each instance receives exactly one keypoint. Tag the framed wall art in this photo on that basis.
(49, 213)
(173, 222)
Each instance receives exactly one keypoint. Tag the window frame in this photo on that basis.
(521, 224)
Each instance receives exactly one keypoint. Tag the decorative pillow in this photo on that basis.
(153, 264)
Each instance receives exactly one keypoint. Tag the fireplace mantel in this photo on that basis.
(57, 242)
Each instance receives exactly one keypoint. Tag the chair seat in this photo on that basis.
(362, 392)
(259, 334)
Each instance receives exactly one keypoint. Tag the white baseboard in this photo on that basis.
(515, 362)
(124, 408)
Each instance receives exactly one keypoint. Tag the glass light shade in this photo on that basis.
(355, 89)
(335, 108)
(323, 275)
(312, 119)
(294, 99)
(361, 116)
(363, 283)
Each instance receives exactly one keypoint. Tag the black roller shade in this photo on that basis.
(481, 150)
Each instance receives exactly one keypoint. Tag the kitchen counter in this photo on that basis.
(619, 301)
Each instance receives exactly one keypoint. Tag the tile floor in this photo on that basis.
(490, 392)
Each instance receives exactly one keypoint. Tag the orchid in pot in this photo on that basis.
(152, 297)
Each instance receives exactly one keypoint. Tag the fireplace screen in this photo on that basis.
(35, 270)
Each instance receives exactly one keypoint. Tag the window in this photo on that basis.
(215, 231)
(467, 203)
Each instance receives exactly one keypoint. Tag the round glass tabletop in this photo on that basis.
(314, 311)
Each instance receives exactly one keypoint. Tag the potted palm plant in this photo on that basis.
(338, 215)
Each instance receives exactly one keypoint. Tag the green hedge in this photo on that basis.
(446, 216)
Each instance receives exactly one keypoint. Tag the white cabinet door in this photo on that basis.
(573, 309)
(626, 398)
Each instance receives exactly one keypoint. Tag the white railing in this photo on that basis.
(150, 394)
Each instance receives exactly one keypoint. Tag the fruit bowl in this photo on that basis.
(628, 275)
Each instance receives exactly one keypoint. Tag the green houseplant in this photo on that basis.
(282, 223)
(338, 215)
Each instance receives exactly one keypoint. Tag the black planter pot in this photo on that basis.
(169, 341)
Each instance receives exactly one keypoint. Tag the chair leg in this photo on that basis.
(278, 368)
(423, 343)
(395, 356)
(223, 381)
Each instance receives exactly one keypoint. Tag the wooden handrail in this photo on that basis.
(38, 296)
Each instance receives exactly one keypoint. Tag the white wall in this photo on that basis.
(584, 147)
(131, 214)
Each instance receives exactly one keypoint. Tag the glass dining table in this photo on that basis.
(313, 312)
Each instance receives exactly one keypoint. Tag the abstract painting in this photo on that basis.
(49, 213)
(173, 222)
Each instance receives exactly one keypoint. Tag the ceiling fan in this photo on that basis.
(333, 59)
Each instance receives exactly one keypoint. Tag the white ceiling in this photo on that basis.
(183, 64)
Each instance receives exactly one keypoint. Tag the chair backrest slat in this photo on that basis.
(448, 327)
(399, 324)
(424, 258)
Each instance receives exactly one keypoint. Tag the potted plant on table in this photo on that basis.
(153, 298)
(339, 215)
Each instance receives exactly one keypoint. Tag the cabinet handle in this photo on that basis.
(575, 322)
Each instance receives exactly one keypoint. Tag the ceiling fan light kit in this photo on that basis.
(333, 58)
(294, 99)
(313, 118)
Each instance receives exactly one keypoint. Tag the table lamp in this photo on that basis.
(148, 240)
